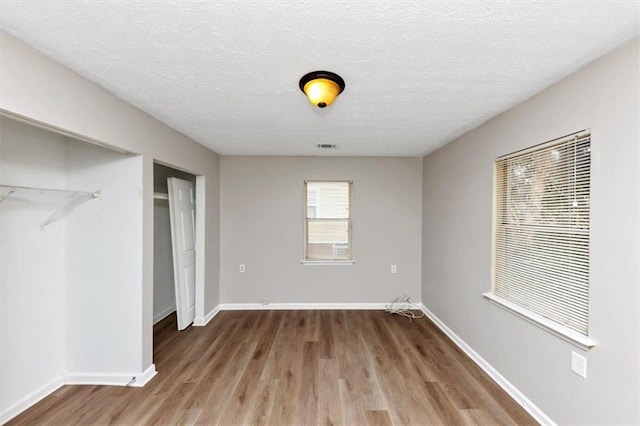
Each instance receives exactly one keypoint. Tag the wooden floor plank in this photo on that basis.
(378, 418)
(329, 405)
(307, 404)
(262, 404)
(295, 368)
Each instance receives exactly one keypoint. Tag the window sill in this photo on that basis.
(565, 333)
(327, 262)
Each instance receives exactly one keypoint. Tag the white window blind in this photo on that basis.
(327, 220)
(542, 230)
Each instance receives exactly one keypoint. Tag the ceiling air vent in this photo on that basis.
(327, 146)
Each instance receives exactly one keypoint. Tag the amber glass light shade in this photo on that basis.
(322, 87)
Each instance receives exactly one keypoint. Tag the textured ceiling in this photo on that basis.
(418, 73)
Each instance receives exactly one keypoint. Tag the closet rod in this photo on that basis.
(72, 197)
(15, 188)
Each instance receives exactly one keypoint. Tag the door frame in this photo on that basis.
(200, 240)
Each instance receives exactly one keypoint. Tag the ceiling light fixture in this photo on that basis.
(321, 87)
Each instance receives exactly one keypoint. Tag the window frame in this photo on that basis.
(583, 341)
(327, 261)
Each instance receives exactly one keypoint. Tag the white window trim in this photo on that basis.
(565, 333)
(327, 262)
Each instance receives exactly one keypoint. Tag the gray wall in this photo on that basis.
(161, 173)
(262, 227)
(457, 210)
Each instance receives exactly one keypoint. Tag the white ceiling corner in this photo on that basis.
(418, 73)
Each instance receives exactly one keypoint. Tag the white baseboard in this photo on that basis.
(133, 380)
(300, 306)
(31, 399)
(518, 396)
(162, 315)
(201, 322)
(111, 379)
(145, 377)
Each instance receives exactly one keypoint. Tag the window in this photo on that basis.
(327, 223)
(541, 234)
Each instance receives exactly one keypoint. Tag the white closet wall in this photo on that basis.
(32, 265)
(104, 263)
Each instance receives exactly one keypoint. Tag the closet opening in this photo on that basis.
(174, 246)
(70, 261)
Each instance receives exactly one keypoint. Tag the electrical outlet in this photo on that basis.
(579, 364)
(264, 302)
(242, 267)
(394, 269)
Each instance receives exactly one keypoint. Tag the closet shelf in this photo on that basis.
(160, 196)
(70, 194)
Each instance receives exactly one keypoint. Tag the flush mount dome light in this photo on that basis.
(321, 87)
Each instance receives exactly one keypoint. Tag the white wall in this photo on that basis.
(32, 264)
(262, 227)
(38, 89)
(457, 214)
(103, 274)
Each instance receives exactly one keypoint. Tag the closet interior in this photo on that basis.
(70, 261)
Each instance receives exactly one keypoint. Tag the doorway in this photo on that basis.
(165, 298)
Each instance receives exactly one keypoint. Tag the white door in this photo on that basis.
(182, 209)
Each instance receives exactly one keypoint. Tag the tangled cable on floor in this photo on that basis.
(403, 306)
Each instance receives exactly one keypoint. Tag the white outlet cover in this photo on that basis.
(579, 364)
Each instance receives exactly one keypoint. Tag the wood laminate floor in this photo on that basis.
(295, 368)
